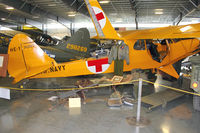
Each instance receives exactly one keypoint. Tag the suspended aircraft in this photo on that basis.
(76, 47)
(173, 43)
(60, 50)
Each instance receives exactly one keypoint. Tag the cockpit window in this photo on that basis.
(179, 39)
(139, 45)
(163, 42)
(169, 41)
(176, 40)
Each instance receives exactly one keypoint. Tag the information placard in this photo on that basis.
(1, 61)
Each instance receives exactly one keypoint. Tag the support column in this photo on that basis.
(136, 22)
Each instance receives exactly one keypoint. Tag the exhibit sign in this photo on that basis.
(1, 61)
(5, 93)
(3, 65)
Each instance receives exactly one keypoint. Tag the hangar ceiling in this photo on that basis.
(39, 12)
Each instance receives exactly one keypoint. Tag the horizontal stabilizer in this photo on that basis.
(78, 45)
(169, 69)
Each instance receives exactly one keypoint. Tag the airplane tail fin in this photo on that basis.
(102, 25)
(26, 58)
(169, 69)
(78, 44)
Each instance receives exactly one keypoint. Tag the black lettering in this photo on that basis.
(45, 71)
(29, 46)
(14, 49)
(51, 69)
(59, 67)
(63, 66)
(56, 69)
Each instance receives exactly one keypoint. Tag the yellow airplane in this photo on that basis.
(27, 60)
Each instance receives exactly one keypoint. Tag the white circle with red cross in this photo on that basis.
(101, 17)
(98, 66)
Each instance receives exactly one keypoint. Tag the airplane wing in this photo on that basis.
(184, 31)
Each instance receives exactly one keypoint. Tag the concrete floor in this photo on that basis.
(30, 113)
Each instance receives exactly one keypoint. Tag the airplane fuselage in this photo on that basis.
(139, 58)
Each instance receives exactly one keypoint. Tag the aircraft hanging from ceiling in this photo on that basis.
(148, 49)
(75, 47)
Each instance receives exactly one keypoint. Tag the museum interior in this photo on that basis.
(99, 66)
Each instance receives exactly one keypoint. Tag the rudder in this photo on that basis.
(26, 58)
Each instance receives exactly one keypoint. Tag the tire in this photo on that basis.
(196, 102)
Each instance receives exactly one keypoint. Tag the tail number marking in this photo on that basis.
(14, 49)
(76, 47)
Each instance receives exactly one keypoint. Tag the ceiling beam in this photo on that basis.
(18, 20)
(11, 17)
(134, 8)
(187, 11)
(9, 25)
(33, 10)
(77, 5)
(180, 19)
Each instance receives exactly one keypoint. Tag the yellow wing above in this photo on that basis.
(184, 31)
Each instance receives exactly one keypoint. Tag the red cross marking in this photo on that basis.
(100, 16)
(98, 64)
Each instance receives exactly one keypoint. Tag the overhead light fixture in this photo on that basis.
(118, 21)
(9, 8)
(159, 9)
(35, 16)
(51, 5)
(104, 1)
(72, 15)
(155, 21)
(159, 13)
(3, 18)
(113, 14)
